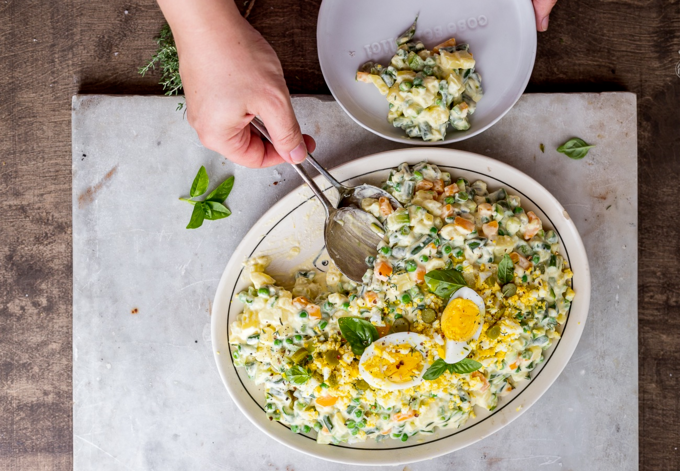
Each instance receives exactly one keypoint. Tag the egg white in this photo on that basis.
(411, 338)
(456, 351)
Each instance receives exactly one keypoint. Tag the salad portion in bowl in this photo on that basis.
(466, 292)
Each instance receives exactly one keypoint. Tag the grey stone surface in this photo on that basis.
(147, 395)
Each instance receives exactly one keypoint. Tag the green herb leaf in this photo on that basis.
(221, 193)
(200, 184)
(217, 210)
(436, 370)
(542, 148)
(509, 290)
(444, 283)
(506, 270)
(298, 375)
(197, 217)
(358, 332)
(575, 148)
(464, 366)
(168, 60)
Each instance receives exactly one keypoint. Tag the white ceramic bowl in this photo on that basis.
(501, 34)
(297, 220)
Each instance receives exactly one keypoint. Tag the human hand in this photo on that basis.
(231, 74)
(542, 9)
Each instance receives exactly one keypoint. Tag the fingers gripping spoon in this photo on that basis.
(351, 234)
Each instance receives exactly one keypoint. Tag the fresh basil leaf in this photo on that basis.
(358, 332)
(444, 283)
(464, 366)
(506, 270)
(221, 193)
(575, 148)
(207, 210)
(509, 290)
(218, 210)
(200, 184)
(298, 375)
(197, 217)
(435, 370)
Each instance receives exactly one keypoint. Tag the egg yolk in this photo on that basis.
(395, 363)
(460, 320)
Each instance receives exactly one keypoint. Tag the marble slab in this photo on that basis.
(146, 392)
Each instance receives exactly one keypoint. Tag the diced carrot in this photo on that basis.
(490, 229)
(451, 190)
(464, 225)
(482, 378)
(404, 416)
(326, 401)
(448, 43)
(383, 270)
(420, 275)
(325, 430)
(314, 311)
(513, 366)
(521, 261)
(447, 211)
(385, 206)
(383, 330)
(533, 227)
(387, 432)
(371, 298)
(301, 300)
(438, 186)
(424, 185)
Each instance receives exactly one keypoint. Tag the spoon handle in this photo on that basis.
(327, 206)
(342, 189)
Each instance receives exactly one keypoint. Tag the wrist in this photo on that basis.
(192, 23)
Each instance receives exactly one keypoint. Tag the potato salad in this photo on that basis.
(466, 291)
(427, 90)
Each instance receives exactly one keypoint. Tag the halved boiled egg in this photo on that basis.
(396, 361)
(462, 322)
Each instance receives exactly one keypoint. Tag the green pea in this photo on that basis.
(517, 210)
(385, 250)
(352, 297)
(303, 314)
(404, 437)
(411, 266)
(447, 249)
(398, 316)
(270, 407)
(277, 342)
(317, 426)
(536, 259)
(263, 292)
(458, 253)
(289, 341)
(385, 416)
(429, 316)
(350, 424)
(345, 306)
(294, 428)
(306, 429)
(298, 338)
(361, 424)
(362, 385)
(405, 231)
(424, 258)
(449, 200)
(525, 279)
(370, 261)
(433, 230)
(354, 431)
(323, 324)
(405, 86)
(405, 298)
(358, 413)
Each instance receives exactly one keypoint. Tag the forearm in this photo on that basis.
(196, 18)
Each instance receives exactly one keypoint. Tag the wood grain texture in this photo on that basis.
(52, 50)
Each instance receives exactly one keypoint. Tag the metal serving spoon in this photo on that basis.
(351, 234)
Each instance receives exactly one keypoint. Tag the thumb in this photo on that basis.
(542, 9)
(279, 117)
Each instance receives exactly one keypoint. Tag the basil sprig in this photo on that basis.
(438, 368)
(358, 332)
(575, 148)
(298, 375)
(506, 270)
(444, 283)
(212, 208)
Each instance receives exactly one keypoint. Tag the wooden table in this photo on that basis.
(52, 50)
